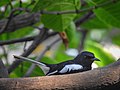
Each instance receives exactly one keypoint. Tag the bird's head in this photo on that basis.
(86, 58)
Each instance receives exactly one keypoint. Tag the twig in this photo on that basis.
(5, 54)
(20, 3)
(32, 3)
(25, 44)
(10, 3)
(81, 45)
(52, 34)
(83, 3)
(42, 35)
(3, 13)
(17, 40)
(79, 11)
(31, 38)
(39, 57)
(37, 27)
(83, 19)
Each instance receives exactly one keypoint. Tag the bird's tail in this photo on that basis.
(45, 67)
(35, 62)
(30, 60)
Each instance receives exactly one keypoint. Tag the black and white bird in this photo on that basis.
(82, 62)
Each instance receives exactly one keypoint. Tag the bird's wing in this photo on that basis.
(55, 68)
(71, 68)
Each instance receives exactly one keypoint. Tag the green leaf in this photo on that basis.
(108, 14)
(95, 23)
(77, 4)
(107, 17)
(104, 56)
(42, 4)
(72, 35)
(3, 2)
(70, 31)
(59, 22)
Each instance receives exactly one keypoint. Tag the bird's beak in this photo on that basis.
(95, 59)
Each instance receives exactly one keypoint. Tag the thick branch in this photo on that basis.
(3, 70)
(106, 78)
(19, 21)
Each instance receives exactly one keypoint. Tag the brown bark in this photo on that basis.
(106, 78)
(3, 70)
(20, 21)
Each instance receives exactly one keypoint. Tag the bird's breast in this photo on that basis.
(70, 67)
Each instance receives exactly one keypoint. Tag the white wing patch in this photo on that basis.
(70, 67)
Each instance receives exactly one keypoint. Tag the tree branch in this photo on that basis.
(36, 42)
(5, 53)
(81, 45)
(19, 21)
(3, 70)
(31, 38)
(5, 26)
(83, 19)
(7, 42)
(106, 78)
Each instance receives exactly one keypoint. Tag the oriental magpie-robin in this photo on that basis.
(82, 62)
